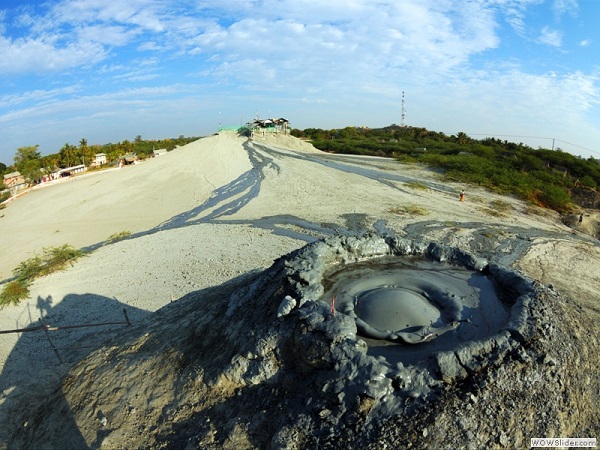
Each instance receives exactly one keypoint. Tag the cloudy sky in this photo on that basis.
(108, 70)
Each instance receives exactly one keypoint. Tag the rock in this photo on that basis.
(449, 366)
(286, 306)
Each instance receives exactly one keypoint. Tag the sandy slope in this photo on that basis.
(88, 209)
(221, 207)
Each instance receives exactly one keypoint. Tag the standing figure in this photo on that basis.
(462, 195)
(580, 219)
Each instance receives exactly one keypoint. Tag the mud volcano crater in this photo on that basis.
(427, 313)
(424, 337)
(408, 308)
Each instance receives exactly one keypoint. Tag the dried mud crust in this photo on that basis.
(547, 387)
(219, 369)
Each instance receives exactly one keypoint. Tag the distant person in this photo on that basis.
(462, 195)
(580, 219)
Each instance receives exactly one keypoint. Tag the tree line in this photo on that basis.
(32, 165)
(549, 178)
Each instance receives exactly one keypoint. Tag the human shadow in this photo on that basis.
(225, 200)
(228, 199)
(64, 333)
(39, 415)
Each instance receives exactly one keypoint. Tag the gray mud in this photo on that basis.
(397, 301)
(262, 362)
(426, 312)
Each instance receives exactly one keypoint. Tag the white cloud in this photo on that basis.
(352, 58)
(585, 43)
(38, 56)
(37, 96)
(550, 37)
(107, 35)
(561, 7)
(433, 33)
(515, 12)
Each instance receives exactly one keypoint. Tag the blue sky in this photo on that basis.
(109, 70)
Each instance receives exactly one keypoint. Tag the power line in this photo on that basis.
(578, 146)
(534, 137)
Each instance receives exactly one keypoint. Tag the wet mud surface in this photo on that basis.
(407, 309)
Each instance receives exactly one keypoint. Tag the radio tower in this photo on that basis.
(403, 123)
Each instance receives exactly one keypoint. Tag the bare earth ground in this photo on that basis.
(222, 207)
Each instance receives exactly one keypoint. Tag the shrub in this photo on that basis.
(554, 197)
(501, 206)
(413, 210)
(588, 181)
(417, 185)
(52, 260)
(13, 292)
(118, 237)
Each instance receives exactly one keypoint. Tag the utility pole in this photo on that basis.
(403, 123)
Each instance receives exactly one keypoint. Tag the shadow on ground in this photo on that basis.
(42, 357)
(34, 410)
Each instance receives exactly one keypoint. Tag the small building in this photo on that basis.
(100, 159)
(130, 158)
(263, 126)
(68, 171)
(14, 181)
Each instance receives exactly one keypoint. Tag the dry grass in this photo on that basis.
(417, 185)
(493, 212)
(118, 237)
(502, 206)
(13, 292)
(498, 208)
(493, 233)
(52, 260)
(410, 210)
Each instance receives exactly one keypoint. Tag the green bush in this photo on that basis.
(118, 237)
(537, 175)
(588, 181)
(554, 197)
(52, 260)
(13, 292)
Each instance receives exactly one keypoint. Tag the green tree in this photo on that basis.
(85, 153)
(28, 162)
(67, 155)
(462, 138)
(26, 153)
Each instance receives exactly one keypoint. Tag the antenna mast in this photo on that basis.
(403, 123)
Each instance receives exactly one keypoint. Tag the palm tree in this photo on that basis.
(462, 138)
(67, 155)
(85, 151)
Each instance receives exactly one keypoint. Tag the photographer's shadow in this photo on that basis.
(65, 333)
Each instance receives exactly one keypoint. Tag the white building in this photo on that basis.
(100, 159)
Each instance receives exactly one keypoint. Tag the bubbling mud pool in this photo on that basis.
(408, 308)
(409, 316)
